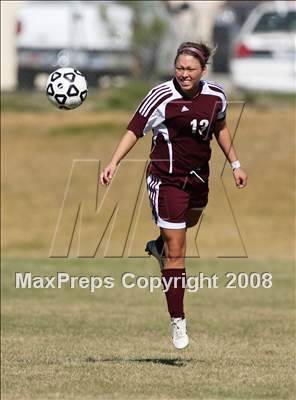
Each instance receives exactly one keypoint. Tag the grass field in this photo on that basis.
(114, 343)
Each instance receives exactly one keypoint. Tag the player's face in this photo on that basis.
(188, 73)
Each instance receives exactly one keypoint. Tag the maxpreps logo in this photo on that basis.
(62, 280)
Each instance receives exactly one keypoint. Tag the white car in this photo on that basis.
(93, 36)
(264, 54)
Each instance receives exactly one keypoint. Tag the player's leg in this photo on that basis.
(169, 204)
(174, 267)
(174, 247)
(192, 217)
(174, 282)
(156, 247)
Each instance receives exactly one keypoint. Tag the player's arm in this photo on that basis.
(223, 137)
(126, 143)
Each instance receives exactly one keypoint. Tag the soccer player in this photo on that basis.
(183, 114)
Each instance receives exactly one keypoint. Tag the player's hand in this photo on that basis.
(240, 178)
(107, 174)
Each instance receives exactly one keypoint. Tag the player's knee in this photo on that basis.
(175, 250)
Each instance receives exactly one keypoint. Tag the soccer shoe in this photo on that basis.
(179, 333)
(151, 249)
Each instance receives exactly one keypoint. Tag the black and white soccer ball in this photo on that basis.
(66, 88)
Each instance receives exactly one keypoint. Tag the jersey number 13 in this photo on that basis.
(200, 127)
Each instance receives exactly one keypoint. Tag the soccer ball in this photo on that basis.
(66, 88)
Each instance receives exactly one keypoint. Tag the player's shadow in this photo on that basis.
(174, 362)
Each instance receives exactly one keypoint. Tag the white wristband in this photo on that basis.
(235, 165)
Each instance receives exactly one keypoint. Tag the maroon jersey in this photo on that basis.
(181, 126)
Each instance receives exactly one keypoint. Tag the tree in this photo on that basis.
(149, 27)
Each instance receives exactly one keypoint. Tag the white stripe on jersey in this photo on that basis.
(207, 90)
(157, 100)
(216, 85)
(163, 130)
(150, 95)
(158, 115)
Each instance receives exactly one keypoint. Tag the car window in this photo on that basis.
(273, 21)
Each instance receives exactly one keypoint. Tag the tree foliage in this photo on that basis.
(149, 26)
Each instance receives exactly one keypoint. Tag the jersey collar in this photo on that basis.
(179, 90)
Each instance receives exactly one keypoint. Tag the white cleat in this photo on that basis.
(179, 333)
(152, 250)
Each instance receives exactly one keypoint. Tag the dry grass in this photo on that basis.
(114, 344)
(69, 344)
(38, 151)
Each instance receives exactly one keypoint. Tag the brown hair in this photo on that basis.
(198, 50)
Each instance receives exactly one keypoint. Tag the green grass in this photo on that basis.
(106, 99)
(266, 99)
(97, 99)
(101, 128)
(114, 344)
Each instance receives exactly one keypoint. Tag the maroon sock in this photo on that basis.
(175, 293)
